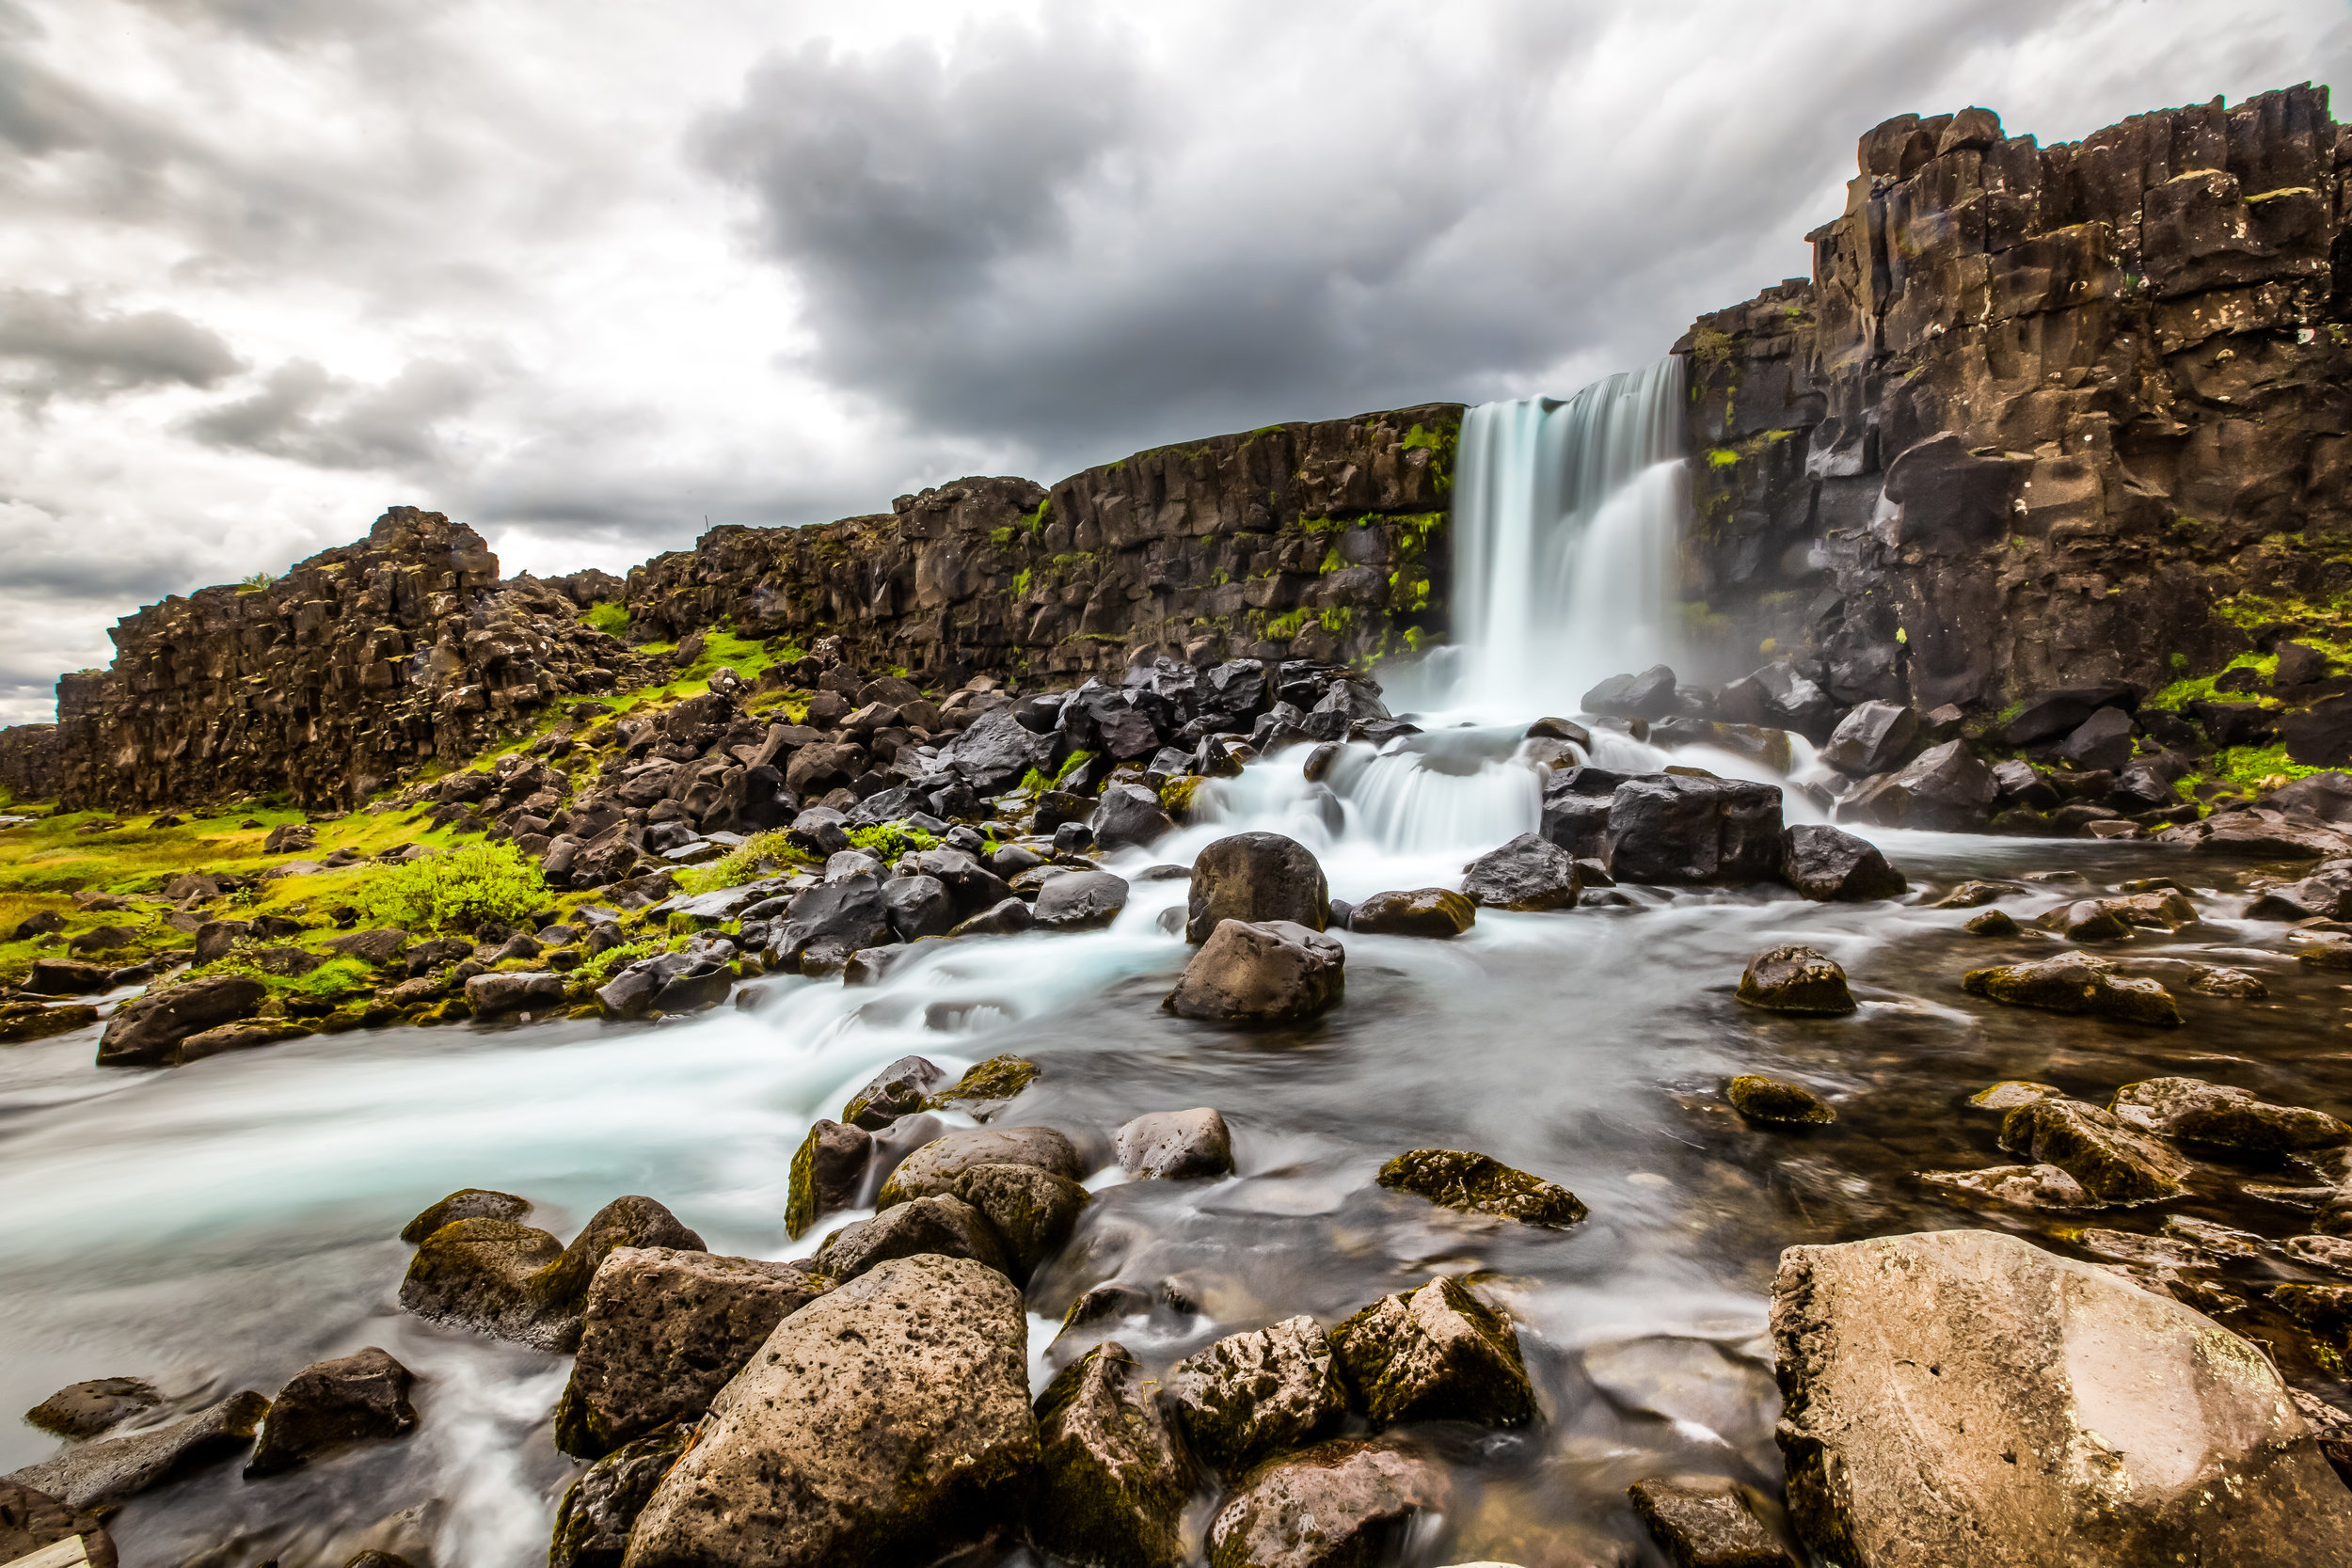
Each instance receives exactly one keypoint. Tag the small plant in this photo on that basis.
(749, 860)
(887, 840)
(601, 967)
(473, 885)
(1037, 782)
(256, 582)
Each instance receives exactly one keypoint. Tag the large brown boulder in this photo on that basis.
(885, 1423)
(1255, 878)
(943, 1226)
(933, 1169)
(1271, 972)
(1965, 1399)
(1255, 1394)
(1340, 1505)
(144, 1030)
(330, 1404)
(1112, 1474)
(1437, 1353)
(518, 1282)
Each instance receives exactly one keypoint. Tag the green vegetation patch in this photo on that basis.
(608, 616)
(474, 884)
(889, 840)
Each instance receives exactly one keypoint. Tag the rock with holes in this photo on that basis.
(99, 1474)
(944, 1226)
(932, 1168)
(1112, 1474)
(1336, 1505)
(1252, 1395)
(518, 1282)
(1437, 1353)
(31, 1520)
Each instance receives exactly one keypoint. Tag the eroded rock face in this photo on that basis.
(1113, 1477)
(85, 1409)
(1255, 1394)
(1333, 1506)
(1480, 1184)
(1271, 973)
(887, 1422)
(1437, 1353)
(518, 1282)
(330, 1404)
(1255, 878)
(2069, 1418)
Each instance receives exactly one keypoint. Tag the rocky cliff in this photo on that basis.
(2043, 415)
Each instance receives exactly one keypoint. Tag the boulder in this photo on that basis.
(2192, 1111)
(593, 1522)
(518, 1282)
(971, 886)
(1113, 1477)
(1255, 878)
(918, 907)
(383, 947)
(2326, 896)
(1648, 695)
(1430, 912)
(1032, 1212)
(933, 1169)
(1576, 810)
(2049, 714)
(664, 1331)
(81, 1410)
(1528, 873)
(1480, 1184)
(512, 991)
(1828, 864)
(985, 1085)
(828, 1173)
(1253, 1395)
(1129, 817)
(2064, 1416)
(2101, 743)
(94, 1474)
(1337, 1505)
(329, 1404)
(839, 917)
(67, 977)
(1272, 971)
(2111, 1160)
(246, 1036)
(1710, 1526)
(144, 1030)
(31, 1520)
(887, 1422)
(2076, 983)
(1676, 829)
(1795, 979)
(1943, 787)
(946, 1225)
(1437, 1353)
(2319, 735)
(466, 1203)
(1175, 1145)
(1768, 1100)
(2258, 834)
(1080, 900)
(897, 1090)
(1009, 917)
(1873, 737)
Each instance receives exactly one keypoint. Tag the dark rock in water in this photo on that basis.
(1080, 900)
(1873, 737)
(2112, 1161)
(30, 1520)
(2022, 783)
(664, 1331)
(2192, 1111)
(92, 1475)
(593, 1522)
(1031, 1210)
(1008, 918)
(1272, 971)
(248, 1036)
(467, 1203)
(1826, 863)
(1175, 1145)
(1529, 873)
(1255, 878)
(1769, 1099)
(67, 977)
(1711, 1526)
(897, 1090)
(1994, 923)
(1252, 1395)
(1430, 912)
(1796, 980)
(2052, 713)
(1578, 822)
(971, 886)
(2200, 1456)
(1437, 1353)
(1648, 695)
(1480, 1184)
(1113, 1478)
(1129, 815)
(2085, 920)
(33, 1022)
(833, 1446)
(918, 907)
(843, 916)
(986, 1085)
(329, 1404)
(1676, 829)
(944, 1226)
(2076, 983)
(1944, 787)
(933, 1169)
(1970, 895)
(81, 1410)
(828, 1173)
(518, 1282)
(144, 1030)
(1337, 1505)
(1341, 917)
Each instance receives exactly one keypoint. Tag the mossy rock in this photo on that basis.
(1796, 980)
(999, 1078)
(1032, 1211)
(1480, 1184)
(1437, 1353)
(33, 1022)
(1112, 1477)
(1768, 1100)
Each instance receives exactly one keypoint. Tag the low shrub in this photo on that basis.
(474, 884)
(887, 840)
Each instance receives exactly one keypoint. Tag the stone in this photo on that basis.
(1768, 1100)
(2030, 1187)
(67, 977)
(2101, 743)
(107, 1471)
(1255, 878)
(945, 1225)
(518, 1282)
(466, 1203)
(1009, 917)
(1336, 1505)
(505, 992)
(1873, 737)
(81, 1410)
(2067, 1416)
(1113, 1477)
(1648, 695)
(1993, 923)
(384, 947)
(2047, 715)
(2256, 835)
(329, 1404)
(246, 1036)
(2076, 983)
(986, 1085)
(1708, 1526)
(828, 1173)
(933, 1169)
(840, 916)
(1828, 864)
(593, 1522)
(1678, 829)
(2009, 1093)
(1080, 900)
(144, 1030)
(1175, 1146)
(1031, 1210)
(2111, 1160)
(2327, 896)
(2192, 1111)
(1253, 1395)
(663, 1332)
(1480, 1184)
(897, 1090)
(1272, 971)
(1129, 817)
(887, 1422)
(1430, 912)
(2085, 920)
(1944, 787)
(1436, 1353)
(1528, 873)
(1795, 979)
(31, 1520)
(918, 907)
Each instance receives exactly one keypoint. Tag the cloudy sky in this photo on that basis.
(587, 273)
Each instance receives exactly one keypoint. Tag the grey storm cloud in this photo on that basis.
(55, 345)
(305, 415)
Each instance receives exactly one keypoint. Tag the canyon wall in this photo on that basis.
(2041, 414)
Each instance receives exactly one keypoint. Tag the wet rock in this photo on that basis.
(2192, 1111)
(518, 1282)
(1252, 1395)
(1437, 1353)
(1080, 900)
(593, 1522)
(1008, 918)
(839, 917)
(946, 1226)
(1113, 1478)
(986, 1085)
(1769, 1099)
(2261, 836)
(1128, 816)
(2028, 1187)
(1648, 695)
(2327, 896)
(2085, 920)
(828, 1173)
(933, 1169)
(81, 1410)
(1873, 737)
(2113, 1161)
(1430, 912)
(144, 1030)
(246, 1035)
(1528, 873)
(466, 1203)
(1944, 787)
(1970, 895)
(31, 1520)
(663, 1332)
(1480, 1184)
(918, 907)
(1255, 878)
(514, 991)
(2009, 1093)
(1993, 923)
(67, 977)
(2076, 983)
(1031, 1210)
(30, 1021)
(2066, 1416)
(1175, 1145)
(1273, 972)
(2331, 1253)
(92, 1475)
(1676, 829)
(1710, 1525)
(1337, 1505)
(2327, 950)
(329, 1404)
(1826, 863)
(2101, 743)
(1795, 979)
(897, 1090)
(887, 1422)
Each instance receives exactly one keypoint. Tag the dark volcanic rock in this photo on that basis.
(1673, 828)
(1437, 1353)
(1129, 815)
(1430, 912)
(897, 1090)
(1031, 1210)
(1080, 900)
(1944, 787)
(1825, 863)
(828, 1173)
(944, 1226)
(30, 1520)
(330, 1404)
(1648, 695)
(1479, 1184)
(1795, 980)
(1712, 1526)
(1113, 1477)
(593, 1522)
(1337, 1505)
(1269, 972)
(144, 1029)
(1255, 878)
(1255, 1394)
(1529, 873)
(518, 1282)
(85, 1409)
(1874, 737)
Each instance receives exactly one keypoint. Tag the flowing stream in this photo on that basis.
(221, 1225)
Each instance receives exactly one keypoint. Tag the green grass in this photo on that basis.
(473, 885)
(608, 616)
(1037, 783)
(2200, 689)
(889, 840)
(754, 858)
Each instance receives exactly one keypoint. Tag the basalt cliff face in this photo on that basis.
(2043, 415)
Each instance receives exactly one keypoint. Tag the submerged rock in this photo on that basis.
(1711, 1526)
(144, 1030)
(828, 1173)
(1271, 973)
(81, 1410)
(1437, 1353)
(2114, 1162)
(2028, 1187)
(2076, 983)
(1031, 1210)
(1338, 1505)
(1769, 1099)
(1828, 863)
(330, 1404)
(1795, 980)
(92, 1475)
(2193, 1110)
(1175, 1145)
(933, 1169)
(1255, 1394)
(887, 1422)
(1255, 878)
(1529, 873)
(1112, 1474)
(1430, 912)
(593, 1522)
(2065, 1416)
(1480, 1184)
